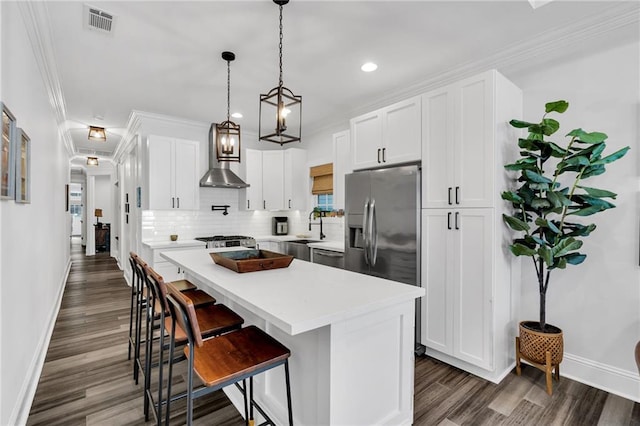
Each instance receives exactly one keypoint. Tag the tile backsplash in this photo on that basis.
(157, 225)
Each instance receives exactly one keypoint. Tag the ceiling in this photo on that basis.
(164, 57)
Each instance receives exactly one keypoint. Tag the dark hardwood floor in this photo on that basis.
(86, 379)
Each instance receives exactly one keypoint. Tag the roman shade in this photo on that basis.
(322, 179)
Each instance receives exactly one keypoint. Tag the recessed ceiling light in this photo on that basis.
(236, 115)
(369, 67)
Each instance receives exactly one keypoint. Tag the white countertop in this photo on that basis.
(328, 245)
(153, 245)
(305, 296)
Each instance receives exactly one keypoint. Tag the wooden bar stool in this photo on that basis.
(224, 360)
(212, 319)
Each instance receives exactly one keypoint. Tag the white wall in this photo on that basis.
(597, 304)
(103, 199)
(34, 241)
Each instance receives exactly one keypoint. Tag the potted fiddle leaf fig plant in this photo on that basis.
(549, 203)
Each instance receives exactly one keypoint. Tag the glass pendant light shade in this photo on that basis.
(97, 133)
(228, 132)
(280, 109)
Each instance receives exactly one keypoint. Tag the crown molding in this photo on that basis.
(518, 55)
(36, 20)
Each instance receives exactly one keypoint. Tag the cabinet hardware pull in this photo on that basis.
(449, 220)
(248, 205)
(289, 202)
(384, 155)
(173, 203)
(457, 194)
(449, 196)
(457, 214)
(264, 204)
(379, 156)
(178, 201)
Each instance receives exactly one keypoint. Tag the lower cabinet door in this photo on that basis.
(168, 271)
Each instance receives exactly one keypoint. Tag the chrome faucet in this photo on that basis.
(322, 236)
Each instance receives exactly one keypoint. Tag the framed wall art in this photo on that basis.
(7, 154)
(23, 167)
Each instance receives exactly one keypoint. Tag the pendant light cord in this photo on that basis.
(228, 89)
(280, 48)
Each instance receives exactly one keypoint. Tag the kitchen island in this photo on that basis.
(351, 338)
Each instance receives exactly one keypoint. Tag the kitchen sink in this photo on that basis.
(298, 248)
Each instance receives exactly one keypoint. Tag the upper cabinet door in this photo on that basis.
(295, 184)
(160, 165)
(458, 144)
(253, 161)
(437, 148)
(273, 180)
(402, 130)
(186, 174)
(366, 147)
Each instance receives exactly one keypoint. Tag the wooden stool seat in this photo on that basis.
(183, 285)
(231, 357)
(199, 297)
(214, 320)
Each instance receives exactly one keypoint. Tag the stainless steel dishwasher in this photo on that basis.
(328, 257)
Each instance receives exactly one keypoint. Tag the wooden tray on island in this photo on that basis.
(251, 260)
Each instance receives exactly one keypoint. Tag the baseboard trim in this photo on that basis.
(20, 412)
(614, 380)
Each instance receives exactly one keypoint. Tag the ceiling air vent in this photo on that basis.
(98, 20)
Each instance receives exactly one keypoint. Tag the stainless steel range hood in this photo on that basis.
(219, 174)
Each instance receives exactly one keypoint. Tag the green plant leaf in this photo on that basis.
(579, 230)
(593, 201)
(521, 250)
(578, 160)
(530, 144)
(546, 255)
(536, 177)
(584, 137)
(596, 151)
(520, 124)
(565, 246)
(558, 199)
(512, 196)
(593, 170)
(587, 211)
(557, 151)
(539, 187)
(556, 106)
(540, 203)
(532, 241)
(515, 223)
(549, 126)
(561, 263)
(547, 224)
(575, 258)
(613, 157)
(600, 193)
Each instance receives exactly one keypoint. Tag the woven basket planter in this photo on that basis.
(534, 344)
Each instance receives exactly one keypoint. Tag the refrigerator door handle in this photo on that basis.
(373, 233)
(365, 226)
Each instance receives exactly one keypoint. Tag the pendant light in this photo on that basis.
(228, 132)
(280, 109)
(97, 133)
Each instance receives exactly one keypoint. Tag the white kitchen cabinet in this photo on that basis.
(341, 166)
(457, 267)
(464, 127)
(391, 135)
(277, 179)
(470, 278)
(173, 180)
(273, 180)
(253, 161)
(295, 184)
(167, 270)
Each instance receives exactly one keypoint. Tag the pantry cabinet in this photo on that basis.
(470, 278)
(172, 173)
(391, 135)
(277, 179)
(341, 166)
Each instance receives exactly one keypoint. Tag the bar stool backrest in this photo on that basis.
(184, 312)
(158, 287)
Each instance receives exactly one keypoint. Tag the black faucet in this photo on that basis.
(322, 236)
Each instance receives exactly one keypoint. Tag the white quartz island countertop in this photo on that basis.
(302, 297)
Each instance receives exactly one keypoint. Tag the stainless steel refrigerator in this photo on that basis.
(382, 230)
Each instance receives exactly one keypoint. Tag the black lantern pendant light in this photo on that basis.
(280, 109)
(228, 132)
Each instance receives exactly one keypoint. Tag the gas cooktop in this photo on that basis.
(228, 241)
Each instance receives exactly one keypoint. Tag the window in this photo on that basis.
(324, 202)
(75, 209)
